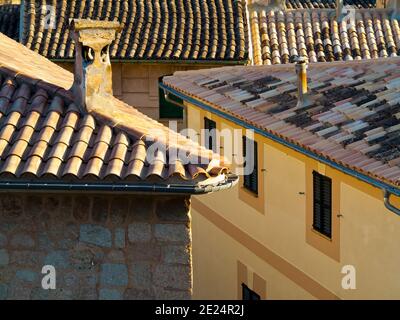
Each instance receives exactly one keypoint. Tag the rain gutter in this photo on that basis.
(117, 187)
(387, 188)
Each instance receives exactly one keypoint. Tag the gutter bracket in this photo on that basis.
(388, 205)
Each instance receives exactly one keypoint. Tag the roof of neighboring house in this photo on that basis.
(353, 118)
(44, 136)
(209, 30)
(280, 36)
(328, 4)
(9, 17)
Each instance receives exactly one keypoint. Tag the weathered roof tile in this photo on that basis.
(210, 30)
(348, 120)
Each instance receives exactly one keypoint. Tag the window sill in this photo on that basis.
(321, 235)
(252, 193)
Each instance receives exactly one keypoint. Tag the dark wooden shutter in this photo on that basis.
(248, 294)
(251, 180)
(210, 136)
(322, 191)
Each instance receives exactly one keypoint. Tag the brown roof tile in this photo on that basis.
(212, 30)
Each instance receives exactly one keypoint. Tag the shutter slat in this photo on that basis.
(322, 204)
(251, 180)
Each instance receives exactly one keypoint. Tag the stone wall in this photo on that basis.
(102, 246)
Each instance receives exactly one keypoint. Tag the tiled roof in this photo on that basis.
(9, 17)
(212, 30)
(280, 36)
(44, 136)
(353, 117)
(327, 4)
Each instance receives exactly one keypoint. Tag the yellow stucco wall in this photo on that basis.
(278, 244)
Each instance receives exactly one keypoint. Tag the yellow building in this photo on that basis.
(331, 145)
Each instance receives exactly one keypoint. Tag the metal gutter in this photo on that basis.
(388, 205)
(116, 187)
(360, 176)
(209, 63)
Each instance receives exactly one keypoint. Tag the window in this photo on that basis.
(210, 134)
(322, 204)
(251, 180)
(248, 294)
(169, 110)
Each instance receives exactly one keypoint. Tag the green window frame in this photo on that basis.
(167, 109)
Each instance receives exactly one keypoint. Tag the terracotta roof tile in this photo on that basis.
(43, 135)
(281, 36)
(348, 120)
(212, 30)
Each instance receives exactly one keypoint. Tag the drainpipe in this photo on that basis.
(21, 21)
(388, 205)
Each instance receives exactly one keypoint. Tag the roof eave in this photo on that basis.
(392, 188)
(112, 187)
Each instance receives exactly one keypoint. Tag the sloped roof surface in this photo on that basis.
(281, 36)
(210, 30)
(44, 135)
(353, 117)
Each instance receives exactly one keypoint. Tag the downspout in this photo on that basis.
(21, 21)
(168, 99)
(388, 205)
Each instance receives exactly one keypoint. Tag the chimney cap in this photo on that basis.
(84, 24)
(300, 60)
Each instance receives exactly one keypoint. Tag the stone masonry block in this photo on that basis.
(176, 254)
(114, 275)
(119, 238)
(110, 294)
(139, 232)
(4, 257)
(22, 240)
(96, 235)
(144, 252)
(172, 277)
(3, 240)
(58, 259)
(140, 275)
(174, 209)
(172, 233)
